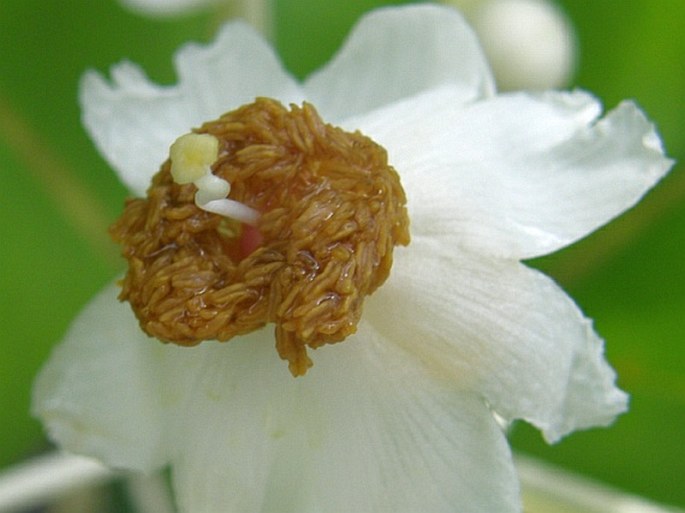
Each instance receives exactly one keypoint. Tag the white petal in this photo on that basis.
(502, 329)
(365, 430)
(517, 175)
(238, 67)
(235, 408)
(133, 121)
(98, 394)
(405, 441)
(398, 52)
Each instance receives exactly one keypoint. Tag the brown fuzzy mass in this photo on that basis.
(331, 211)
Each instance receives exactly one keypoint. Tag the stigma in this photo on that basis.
(191, 157)
(266, 215)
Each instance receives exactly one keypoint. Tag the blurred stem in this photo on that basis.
(258, 13)
(150, 493)
(550, 489)
(546, 488)
(44, 479)
(71, 198)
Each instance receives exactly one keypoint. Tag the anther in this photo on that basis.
(327, 210)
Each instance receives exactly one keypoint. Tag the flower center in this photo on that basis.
(307, 233)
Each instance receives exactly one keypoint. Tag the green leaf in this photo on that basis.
(58, 195)
(48, 272)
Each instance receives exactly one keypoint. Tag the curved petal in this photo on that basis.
(235, 408)
(394, 53)
(98, 394)
(134, 121)
(503, 330)
(235, 69)
(365, 430)
(405, 441)
(366, 427)
(518, 175)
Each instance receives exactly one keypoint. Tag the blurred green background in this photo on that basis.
(59, 197)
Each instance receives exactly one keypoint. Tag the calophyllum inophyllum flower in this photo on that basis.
(389, 240)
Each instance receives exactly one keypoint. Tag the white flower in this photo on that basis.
(167, 7)
(398, 417)
(255, 12)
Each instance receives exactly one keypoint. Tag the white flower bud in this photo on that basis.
(530, 43)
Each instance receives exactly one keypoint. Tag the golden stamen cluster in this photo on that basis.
(331, 210)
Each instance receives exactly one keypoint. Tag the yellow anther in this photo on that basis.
(191, 157)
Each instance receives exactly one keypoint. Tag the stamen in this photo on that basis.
(325, 211)
(192, 156)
